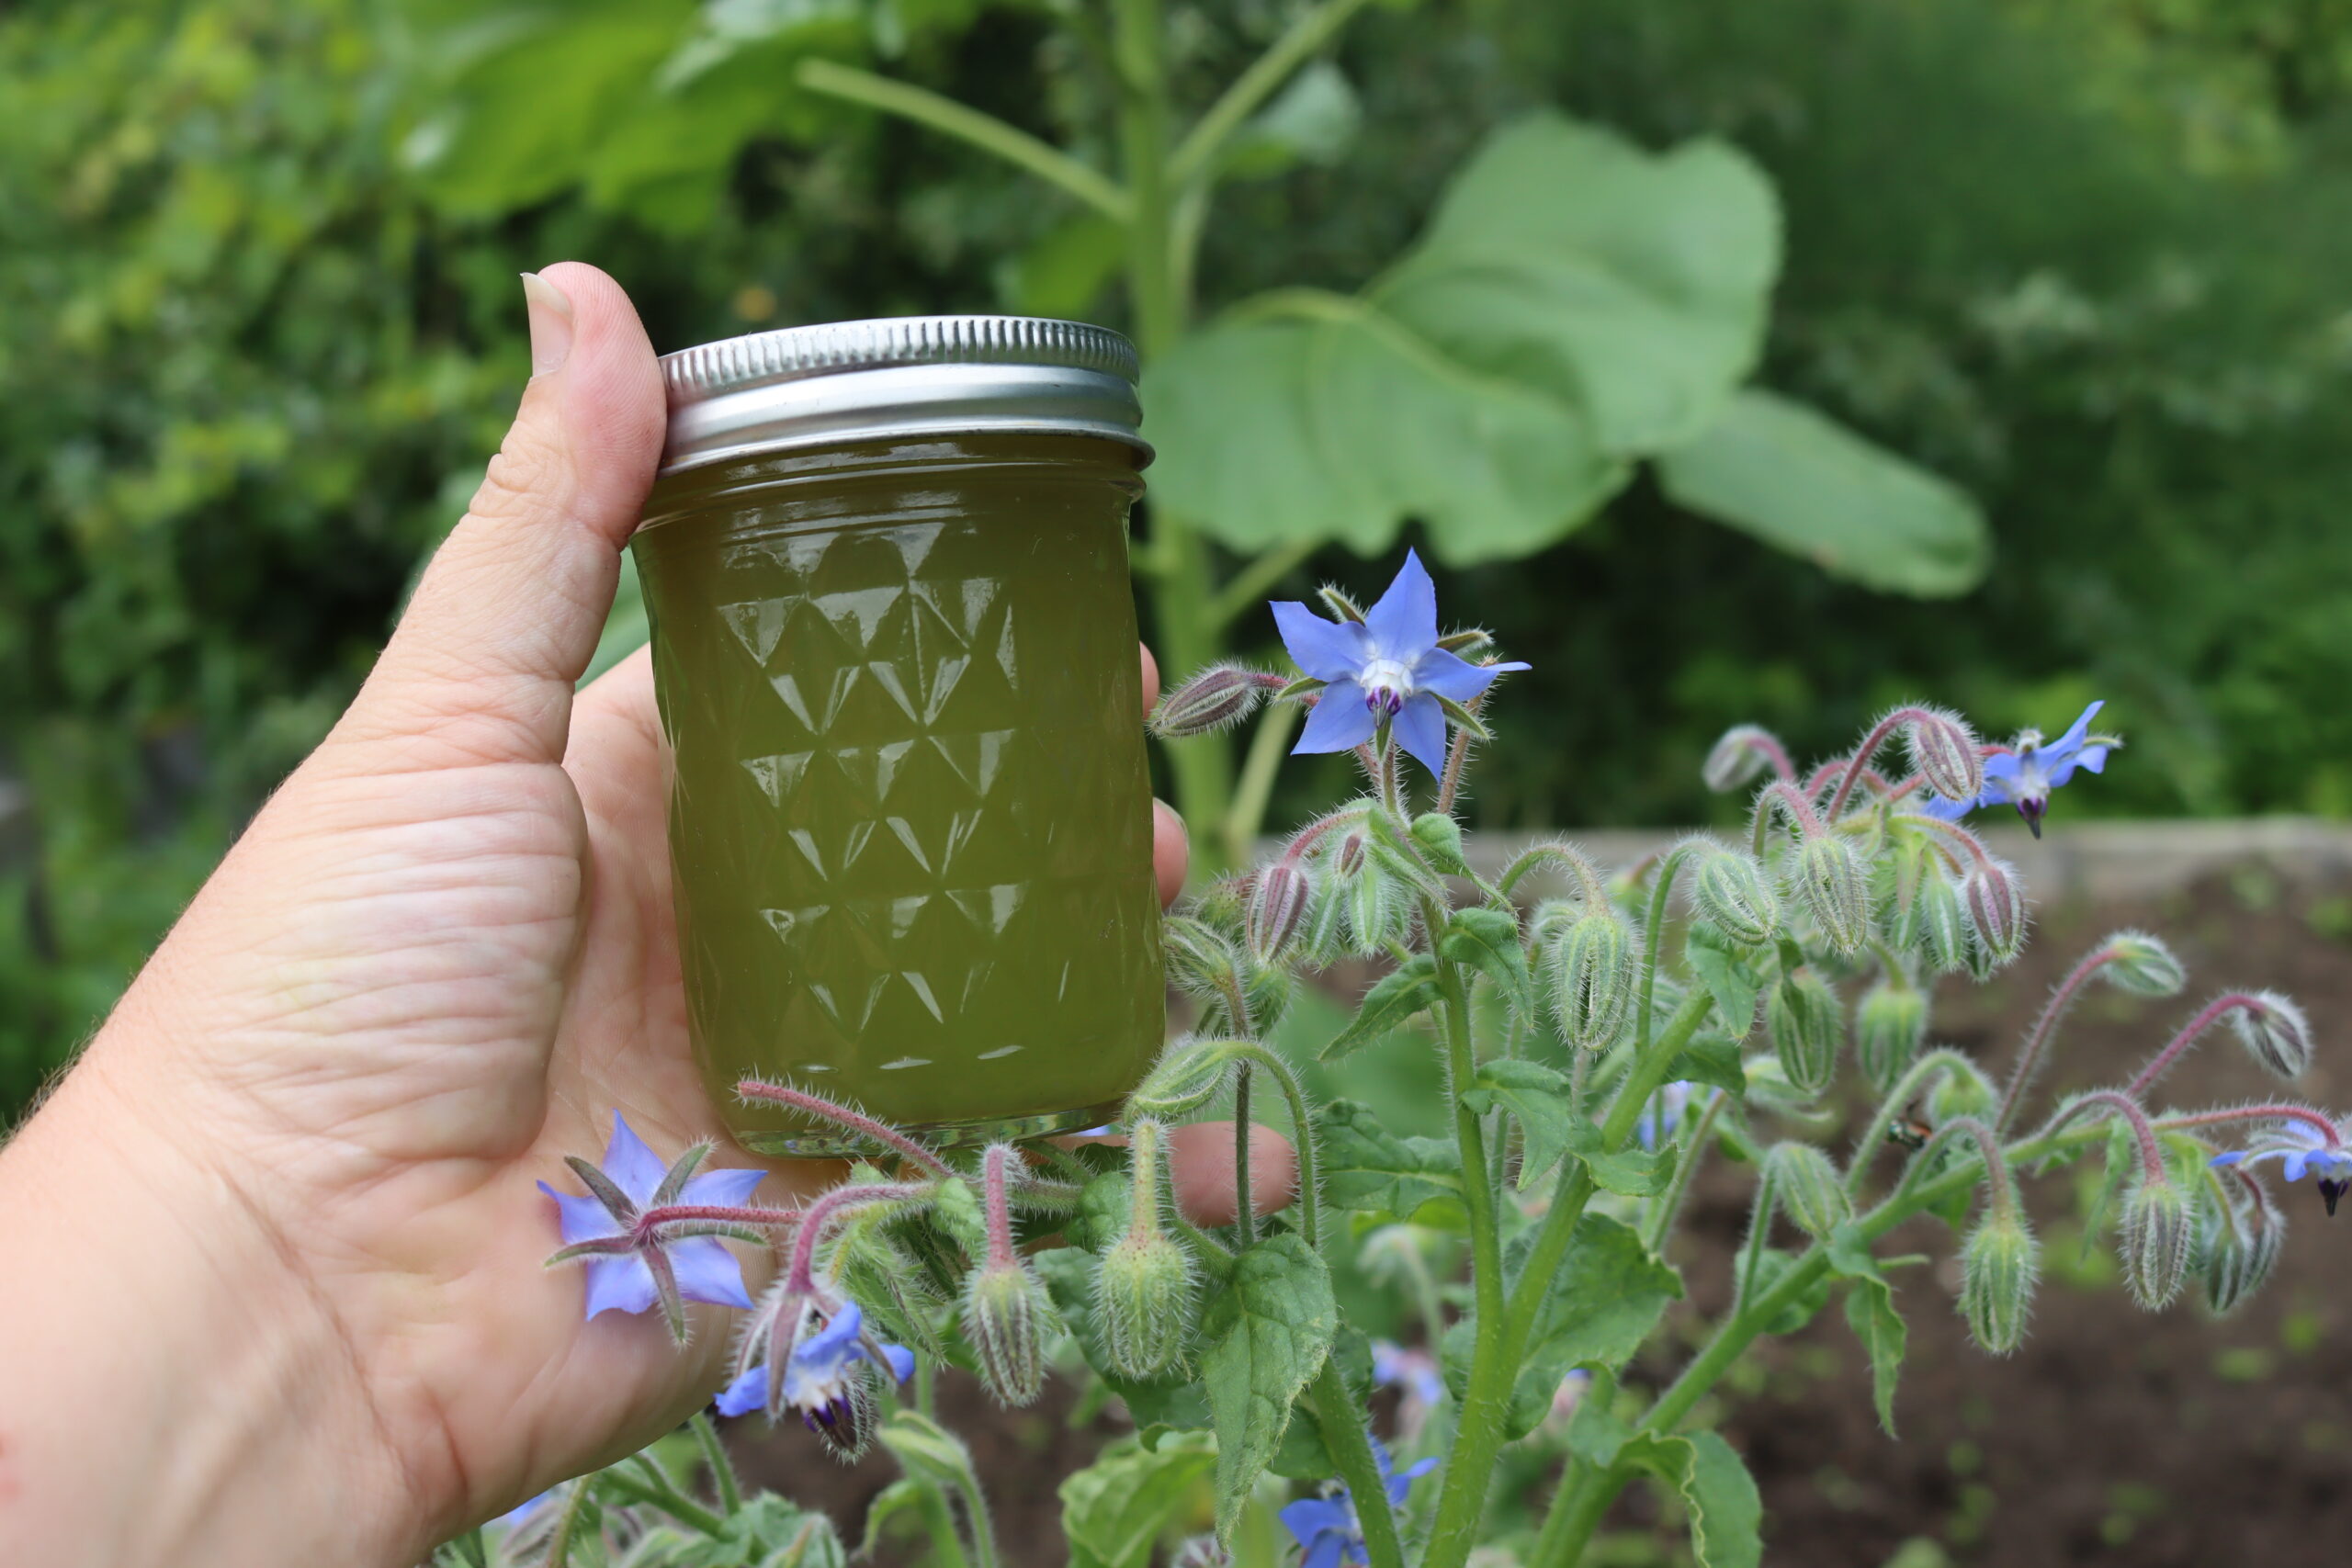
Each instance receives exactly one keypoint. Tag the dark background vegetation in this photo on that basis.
(2089, 259)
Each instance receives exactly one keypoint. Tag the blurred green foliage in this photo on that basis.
(259, 328)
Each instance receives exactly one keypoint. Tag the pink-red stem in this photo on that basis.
(2213, 1012)
(843, 1116)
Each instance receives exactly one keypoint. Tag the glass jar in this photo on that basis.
(894, 645)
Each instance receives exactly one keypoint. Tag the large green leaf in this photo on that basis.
(1577, 303)
(1322, 418)
(1635, 284)
(1266, 1334)
(1803, 482)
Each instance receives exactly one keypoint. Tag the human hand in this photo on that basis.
(294, 1308)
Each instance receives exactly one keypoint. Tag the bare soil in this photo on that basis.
(2114, 1436)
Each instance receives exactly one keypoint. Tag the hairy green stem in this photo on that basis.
(1195, 159)
(968, 125)
(939, 1519)
(1247, 588)
(1245, 1211)
(1310, 1215)
(1494, 1365)
(713, 1454)
(1350, 1450)
(1669, 1203)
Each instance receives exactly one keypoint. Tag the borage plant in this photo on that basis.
(1599, 1044)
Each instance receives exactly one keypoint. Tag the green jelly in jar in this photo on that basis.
(893, 644)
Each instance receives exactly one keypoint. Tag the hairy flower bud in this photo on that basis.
(1944, 752)
(2000, 1263)
(1738, 759)
(1995, 900)
(1803, 1022)
(1733, 897)
(1218, 697)
(1594, 978)
(2275, 1033)
(1006, 1316)
(1808, 1187)
(1199, 958)
(1143, 1303)
(2240, 1247)
(1279, 901)
(2143, 966)
(2159, 1224)
(1964, 1091)
(1890, 1022)
(1379, 911)
(1935, 925)
(1187, 1077)
(1439, 838)
(1829, 879)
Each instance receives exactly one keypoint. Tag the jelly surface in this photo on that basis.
(910, 824)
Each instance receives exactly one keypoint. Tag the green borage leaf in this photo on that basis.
(1394, 999)
(1367, 1167)
(1726, 1513)
(1115, 1509)
(1869, 1308)
(1266, 1337)
(1488, 941)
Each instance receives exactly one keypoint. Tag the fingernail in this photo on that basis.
(550, 315)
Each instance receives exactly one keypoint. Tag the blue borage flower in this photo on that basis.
(1412, 1372)
(1326, 1528)
(825, 1376)
(632, 1176)
(1387, 668)
(1662, 1117)
(2301, 1151)
(2024, 773)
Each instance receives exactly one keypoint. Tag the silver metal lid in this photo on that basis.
(899, 379)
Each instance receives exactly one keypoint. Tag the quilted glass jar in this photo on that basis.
(894, 645)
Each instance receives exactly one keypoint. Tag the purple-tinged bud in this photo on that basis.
(2000, 1264)
(2143, 966)
(1890, 1023)
(1935, 926)
(1944, 752)
(1828, 878)
(2240, 1247)
(1279, 902)
(1995, 900)
(1738, 759)
(1006, 1317)
(1594, 978)
(1804, 1023)
(1348, 858)
(1809, 1188)
(2275, 1033)
(1732, 896)
(2159, 1226)
(1218, 698)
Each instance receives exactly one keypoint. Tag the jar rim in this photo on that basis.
(895, 379)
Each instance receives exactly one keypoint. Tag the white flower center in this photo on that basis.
(1386, 683)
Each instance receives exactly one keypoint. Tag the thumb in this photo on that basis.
(482, 665)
